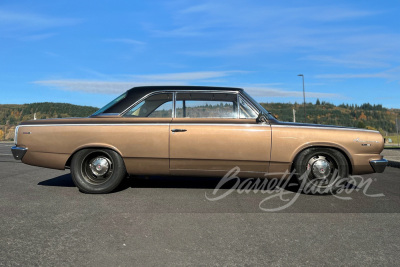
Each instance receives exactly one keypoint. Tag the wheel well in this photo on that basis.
(335, 148)
(68, 163)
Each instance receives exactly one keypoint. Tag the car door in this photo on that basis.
(146, 140)
(213, 132)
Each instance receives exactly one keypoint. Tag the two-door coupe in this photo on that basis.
(193, 130)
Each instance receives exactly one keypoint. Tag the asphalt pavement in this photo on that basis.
(171, 221)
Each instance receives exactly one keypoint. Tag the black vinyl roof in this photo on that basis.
(137, 93)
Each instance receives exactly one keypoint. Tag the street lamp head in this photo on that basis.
(300, 75)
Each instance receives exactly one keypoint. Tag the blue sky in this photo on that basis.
(87, 52)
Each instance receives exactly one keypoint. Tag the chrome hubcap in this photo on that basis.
(320, 167)
(100, 166)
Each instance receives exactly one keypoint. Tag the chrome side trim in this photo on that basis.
(18, 152)
(221, 124)
(322, 127)
(152, 124)
(95, 124)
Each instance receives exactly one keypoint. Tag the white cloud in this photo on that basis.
(188, 76)
(334, 32)
(328, 13)
(107, 87)
(37, 37)
(98, 87)
(390, 74)
(196, 9)
(274, 92)
(351, 76)
(28, 27)
(125, 41)
(184, 31)
(116, 87)
(10, 20)
(361, 60)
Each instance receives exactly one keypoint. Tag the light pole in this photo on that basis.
(304, 98)
(397, 128)
(294, 115)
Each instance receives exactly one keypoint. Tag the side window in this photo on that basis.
(206, 105)
(155, 106)
(246, 112)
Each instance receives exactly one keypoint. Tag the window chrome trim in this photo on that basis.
(122, 114)
(208, 92)
(105, 115)
(256, 105)
(251, 104)
(172, 91)
(248, 102)
(238, 105)
(173, 105)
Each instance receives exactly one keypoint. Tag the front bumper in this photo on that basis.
(379, 165)
(18, 152)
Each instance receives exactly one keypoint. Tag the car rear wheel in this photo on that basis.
(97, 171)
(321, 170)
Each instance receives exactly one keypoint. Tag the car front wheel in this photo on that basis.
(97, 171)
(321, 170)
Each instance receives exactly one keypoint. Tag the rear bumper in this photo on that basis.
(18, 152)
(379, 165)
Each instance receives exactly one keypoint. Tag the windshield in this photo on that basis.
(112, 103)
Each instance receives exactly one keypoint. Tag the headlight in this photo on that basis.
(16, 135)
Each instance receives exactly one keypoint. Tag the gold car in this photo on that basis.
(197, 131)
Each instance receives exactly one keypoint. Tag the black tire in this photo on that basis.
(101, 178)
(321, 171)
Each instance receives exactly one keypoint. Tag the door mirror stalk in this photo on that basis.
(261, 118)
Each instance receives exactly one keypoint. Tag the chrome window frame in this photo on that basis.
(208, 92)
(174, 93)
(106, 114)
(256, 106)
(173, 104)
(249, 103)
(122, 114)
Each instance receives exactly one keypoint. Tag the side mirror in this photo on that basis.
(261, 118)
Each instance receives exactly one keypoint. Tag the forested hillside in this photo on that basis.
(11, 115)
(364, 116)
(14, 114)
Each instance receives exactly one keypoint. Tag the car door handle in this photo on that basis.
(178, 130)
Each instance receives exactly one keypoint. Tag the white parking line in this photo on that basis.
(5, 154)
